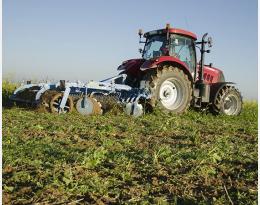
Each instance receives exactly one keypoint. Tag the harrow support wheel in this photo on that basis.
(55, 103)
(171, 89)
(89, 106)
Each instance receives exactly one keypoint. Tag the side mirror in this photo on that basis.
(210, 42)
(140, 32)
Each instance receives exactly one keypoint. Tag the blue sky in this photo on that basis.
(87, 40)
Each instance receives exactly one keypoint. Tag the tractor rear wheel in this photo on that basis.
(228, 101)
(171, 89)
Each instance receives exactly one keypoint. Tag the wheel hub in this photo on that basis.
(230, 105)
(169, 94)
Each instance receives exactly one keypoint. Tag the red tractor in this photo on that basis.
(170, 69)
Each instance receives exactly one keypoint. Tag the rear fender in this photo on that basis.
(166, 60)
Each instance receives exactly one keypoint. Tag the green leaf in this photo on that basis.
(8, 188)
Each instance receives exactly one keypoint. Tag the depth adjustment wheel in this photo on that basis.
(56, 101)
(170, 88)
(89, 106)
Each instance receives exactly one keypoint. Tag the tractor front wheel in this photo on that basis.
(171, 89)
(228, 101)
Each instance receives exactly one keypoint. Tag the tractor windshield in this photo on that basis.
(154, 46)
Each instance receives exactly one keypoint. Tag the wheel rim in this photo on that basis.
(89, 106)
(55, 103)
(171, 94)
(230, 105)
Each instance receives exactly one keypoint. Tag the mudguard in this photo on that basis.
(170, 60)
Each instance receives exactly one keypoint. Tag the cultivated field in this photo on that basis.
(195, 158)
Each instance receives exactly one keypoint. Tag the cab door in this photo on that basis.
(183, 48)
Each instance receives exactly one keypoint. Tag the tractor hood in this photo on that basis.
(212, 74)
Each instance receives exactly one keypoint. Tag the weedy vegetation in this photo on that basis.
(194, 158)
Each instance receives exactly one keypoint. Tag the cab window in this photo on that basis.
(183, 48)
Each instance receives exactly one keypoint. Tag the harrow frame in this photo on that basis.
(124, 94)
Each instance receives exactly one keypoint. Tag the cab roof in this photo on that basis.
(173, 31)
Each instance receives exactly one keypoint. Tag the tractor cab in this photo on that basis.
(177, 43)
(178, 46)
